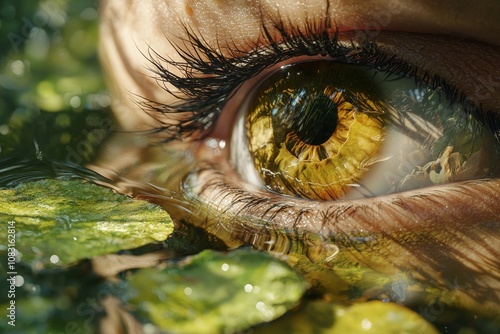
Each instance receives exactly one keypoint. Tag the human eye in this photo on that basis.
(332, 117)
(436, 211)
(329, 130)
(346, 121)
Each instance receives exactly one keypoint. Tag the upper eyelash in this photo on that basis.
(209, 76)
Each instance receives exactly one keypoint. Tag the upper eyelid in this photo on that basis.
(210, 76)
(465, 64)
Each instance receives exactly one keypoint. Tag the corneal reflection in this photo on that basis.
(384, 133)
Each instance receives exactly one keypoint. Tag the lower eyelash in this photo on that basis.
(250, 216)
(286, 226)
(246, 219)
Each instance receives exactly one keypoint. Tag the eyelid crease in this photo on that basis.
(210, 75)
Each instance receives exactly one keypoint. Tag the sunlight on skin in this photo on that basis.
(444, 234)
(128, 30)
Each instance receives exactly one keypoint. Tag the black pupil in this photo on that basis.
(315, 119)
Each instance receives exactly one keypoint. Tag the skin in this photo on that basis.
(123, 58)
(436, 235)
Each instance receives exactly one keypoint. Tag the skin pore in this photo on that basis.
(442, 234)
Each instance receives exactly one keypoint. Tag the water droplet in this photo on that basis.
(248, 288)
(19, 281)
(225, 267)
(215, 146)
(215, 143)
(149, 329)
(264, 309)
(366, 324)
(17, 67)
(54, 259)
(4, 129)
(188, 291)
(75, 102)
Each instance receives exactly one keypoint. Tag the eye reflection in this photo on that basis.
(434, 235)
(326, 130)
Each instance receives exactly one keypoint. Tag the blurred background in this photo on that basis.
(53, 101)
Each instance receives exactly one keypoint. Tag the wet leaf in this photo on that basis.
(374, 317)
(216, 292)
(58, 222)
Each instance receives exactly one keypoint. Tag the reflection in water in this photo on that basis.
(162, 173)
(14, 171)
(417, 263)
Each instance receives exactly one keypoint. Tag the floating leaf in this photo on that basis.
(58, 222)
(216, 292)
(374, 317)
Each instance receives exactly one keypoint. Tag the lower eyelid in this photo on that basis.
(408, 236)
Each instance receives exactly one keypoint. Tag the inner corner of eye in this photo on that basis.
(326, 130)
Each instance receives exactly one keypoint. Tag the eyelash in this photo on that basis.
(207, 80)
(209, 77)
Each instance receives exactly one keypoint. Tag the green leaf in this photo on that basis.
(216, 292)
(374, 317)
(59, 222)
